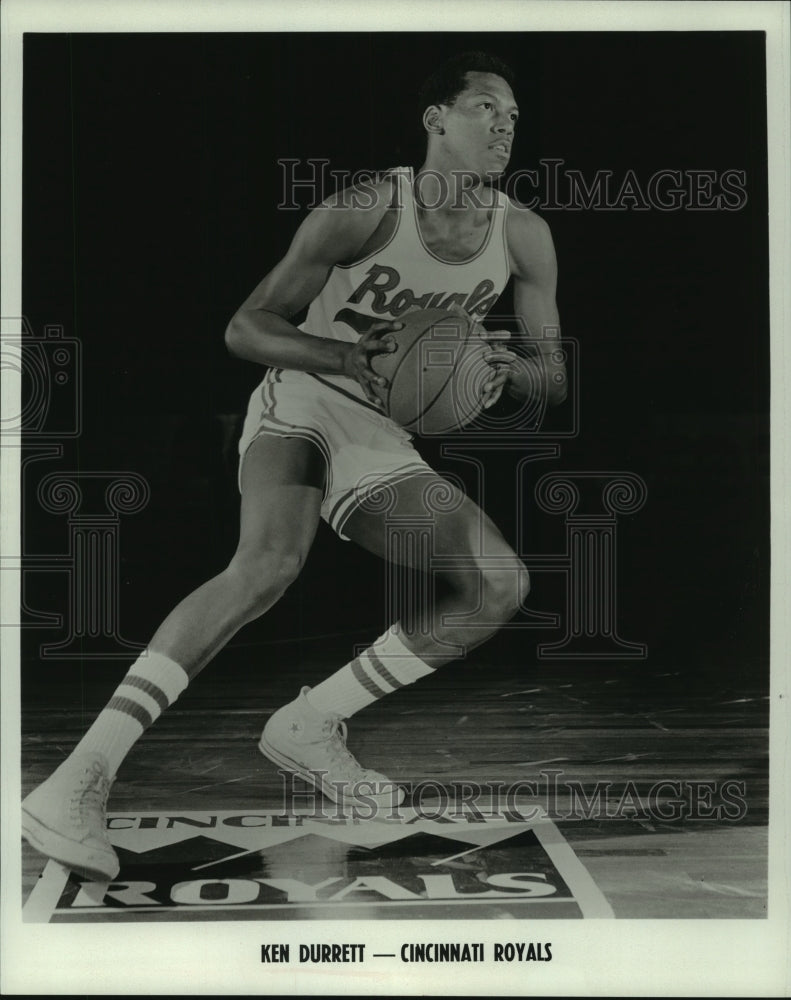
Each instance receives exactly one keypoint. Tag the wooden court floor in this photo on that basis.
(625, 726)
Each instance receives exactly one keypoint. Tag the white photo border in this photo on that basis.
(630, 958)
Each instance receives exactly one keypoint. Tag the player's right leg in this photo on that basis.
(282, 485)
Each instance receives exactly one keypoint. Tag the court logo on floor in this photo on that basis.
(263, 864)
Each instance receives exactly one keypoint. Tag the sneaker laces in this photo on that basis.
(90, 798)
(334, 733)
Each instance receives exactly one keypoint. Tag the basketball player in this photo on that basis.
(316, 444)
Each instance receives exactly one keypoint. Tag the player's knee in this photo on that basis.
(505, 588)
(264, 576)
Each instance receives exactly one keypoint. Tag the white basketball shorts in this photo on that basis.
(362, 449)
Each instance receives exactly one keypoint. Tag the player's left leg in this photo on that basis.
(474, 584)
(474, 581)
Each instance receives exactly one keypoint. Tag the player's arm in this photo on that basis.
(261, 330)
(534, 268)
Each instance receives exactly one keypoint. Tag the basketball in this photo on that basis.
(436, 376)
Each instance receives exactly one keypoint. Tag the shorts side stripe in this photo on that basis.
(353, 498)
(269, 392)
(267, 398)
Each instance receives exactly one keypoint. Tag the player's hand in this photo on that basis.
(357, 363)
(477, 329)
(500, 360)
(497, 356)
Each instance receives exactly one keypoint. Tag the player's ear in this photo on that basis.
(432, 120)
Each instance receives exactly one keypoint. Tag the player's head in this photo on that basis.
(469, 113)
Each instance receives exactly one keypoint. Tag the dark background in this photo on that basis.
(150, 212)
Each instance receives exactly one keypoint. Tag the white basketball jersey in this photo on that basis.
(405, 275)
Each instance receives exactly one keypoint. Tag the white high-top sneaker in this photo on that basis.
(312, 745)
(66, 817)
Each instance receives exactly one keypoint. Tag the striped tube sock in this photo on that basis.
(384, 667)
(154, 681)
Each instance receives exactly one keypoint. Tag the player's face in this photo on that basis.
(480, 124)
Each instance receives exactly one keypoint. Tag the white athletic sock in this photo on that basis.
(384, 667)
(154, 681)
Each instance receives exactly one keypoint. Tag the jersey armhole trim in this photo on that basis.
(505, 202)
(399, 208)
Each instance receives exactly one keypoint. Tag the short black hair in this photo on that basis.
(450, 78)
